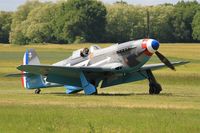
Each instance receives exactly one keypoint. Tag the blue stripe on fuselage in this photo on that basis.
(26, 62)
(26, 57)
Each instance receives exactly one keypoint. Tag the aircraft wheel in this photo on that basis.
(154, 88)
(37, 91)
(151, 90)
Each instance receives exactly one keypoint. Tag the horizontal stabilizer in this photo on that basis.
(13, 75)
(18, 75)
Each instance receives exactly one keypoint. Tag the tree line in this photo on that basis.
(76, 21)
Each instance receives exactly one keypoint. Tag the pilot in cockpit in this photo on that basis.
(84, 52)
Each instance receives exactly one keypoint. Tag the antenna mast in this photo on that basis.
(148, 24)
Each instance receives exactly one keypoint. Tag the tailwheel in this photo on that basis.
(37, 91)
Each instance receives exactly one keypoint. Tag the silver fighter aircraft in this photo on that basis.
(88, 68)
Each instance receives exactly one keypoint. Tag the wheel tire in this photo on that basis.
(37, 91)
(154, 88)
(151, 90)
(157, 88)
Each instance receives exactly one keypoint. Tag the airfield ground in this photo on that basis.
(123, 108)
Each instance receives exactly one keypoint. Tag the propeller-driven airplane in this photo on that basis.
(86, 69)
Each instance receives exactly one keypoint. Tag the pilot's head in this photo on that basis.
(86, 50)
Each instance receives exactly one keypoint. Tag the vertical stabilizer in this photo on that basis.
(31, 81)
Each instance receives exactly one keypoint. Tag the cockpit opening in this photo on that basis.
(84, 52)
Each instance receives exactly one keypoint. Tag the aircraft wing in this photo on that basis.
(63, 70)
(71, 71)
(64, 74)
(138, 75)
(161, 65)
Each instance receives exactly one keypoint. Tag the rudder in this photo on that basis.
(29, 80)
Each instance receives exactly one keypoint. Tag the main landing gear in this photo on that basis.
(95, 93)
(154, 86)
(37, 91)
(94, 84)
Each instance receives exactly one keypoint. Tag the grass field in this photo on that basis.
(124, 108)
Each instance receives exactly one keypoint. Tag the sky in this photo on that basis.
(11, 5)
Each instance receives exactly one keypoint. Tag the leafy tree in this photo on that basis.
(39, 24)
(74, 21)
(160, 27)
(196, 26)
(124, 22)
(80, 19)
(121, 2)
(17, 35)
(181, 20)
(5, 24)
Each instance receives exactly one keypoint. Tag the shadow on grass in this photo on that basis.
(133, 94)
(106, 94)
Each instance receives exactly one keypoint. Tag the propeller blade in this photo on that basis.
(165, 60)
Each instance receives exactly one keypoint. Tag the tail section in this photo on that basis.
(29, 80)
(31, 58)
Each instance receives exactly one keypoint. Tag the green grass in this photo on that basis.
(123, 108)
(106, 119)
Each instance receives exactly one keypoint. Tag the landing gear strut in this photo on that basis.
(154, 86)
(94, 84)
(88, 88)
(37, 91)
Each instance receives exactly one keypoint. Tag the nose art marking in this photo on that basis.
(144, 43)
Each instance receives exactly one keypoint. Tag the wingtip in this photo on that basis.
(187, 62)
(19, 67)
(184, 62)
(13, 75)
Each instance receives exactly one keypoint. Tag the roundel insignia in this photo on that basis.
(144, 43)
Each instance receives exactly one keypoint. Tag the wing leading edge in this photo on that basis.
(63, 74)
(161, 65)
(46, 69)
(141, 74)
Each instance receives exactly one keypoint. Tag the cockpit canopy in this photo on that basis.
(77, 53)
(94, 47)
